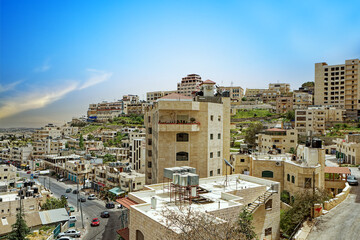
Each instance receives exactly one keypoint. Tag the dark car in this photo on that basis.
(82, 199)
(110, 205)
(68, 190)
(105, 214)
(64, 196)
(352, 180)
(75, 191)
(95, 222)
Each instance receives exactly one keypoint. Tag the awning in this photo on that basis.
(117, 191)
(339, 170)
(126, 202)
(124, 233)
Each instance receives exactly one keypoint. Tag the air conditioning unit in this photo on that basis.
(278, 163)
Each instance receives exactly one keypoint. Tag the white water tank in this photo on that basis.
(183, 180)
(153, 203)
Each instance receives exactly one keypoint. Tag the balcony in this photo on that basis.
(179, 127)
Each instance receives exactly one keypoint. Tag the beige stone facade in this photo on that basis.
(189, 84)
(283, 88)
(315, 118)
(338, 85)
(284, 104)
(226, 203)
(302, 100)
(185, 131)
(137, 151)
(236, 93)
(348, 149)
(153, 96)
(279, 140)
(7, 173)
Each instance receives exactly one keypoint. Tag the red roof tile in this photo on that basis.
(124, 233)
(340, 170)
(126, 202)
(208, 82)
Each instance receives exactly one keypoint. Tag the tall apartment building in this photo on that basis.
(153, 96)
(189, 84)
(236, 93)
(338, 85)
(137, 145)
(315, 119)
(185, 131)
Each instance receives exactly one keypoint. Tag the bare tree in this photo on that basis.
(190, 224)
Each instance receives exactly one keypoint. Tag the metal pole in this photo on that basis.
(44, 182)
(49, 184)
(82, 218)
(77, 183)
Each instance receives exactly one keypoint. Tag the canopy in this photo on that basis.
(339, 170)
(117, 191)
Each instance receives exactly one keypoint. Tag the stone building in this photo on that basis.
(284, 104)
(181, 131)
(276, 139)
(348, 149)
(236, 93)
(189, 84)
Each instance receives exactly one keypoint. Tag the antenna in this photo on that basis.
(232, 83)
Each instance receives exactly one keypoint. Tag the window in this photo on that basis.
(211, 173)
(149, 118)
(182, 137)
(5, 169)
(219, 154)
(267, 174)
(219, 135)
(149, 141)
(293, 179)
(288, 177)
(5, 177)
(218, 171)
(211, 155)
(242, 160)
(307, 183)
(149, 153)
(182, 156)
(212, 118)
(149, 130)
(211, 136)
(268, 204)
(268, 231)
(149, 164)
(219, 118)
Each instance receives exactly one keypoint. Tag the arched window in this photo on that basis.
(182, 156)
(139, 235)
(267, 174)
(293, 179)
(182, 137)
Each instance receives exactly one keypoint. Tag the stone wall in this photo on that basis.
(328, 205)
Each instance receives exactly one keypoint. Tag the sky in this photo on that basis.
(58, 56)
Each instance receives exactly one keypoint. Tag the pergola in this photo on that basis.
(336, 173)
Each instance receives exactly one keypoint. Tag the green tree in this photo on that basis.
(81, 142)
(245, 225)
(308, 84)
(54, 203)
(290, 115)
(251, 131)
(109, 158)
(19, 228)
(90, 137)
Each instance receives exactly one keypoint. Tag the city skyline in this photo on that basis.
(58, 57)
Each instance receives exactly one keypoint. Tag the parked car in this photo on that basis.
(95, 222)
(119, 206)
(352, 180)
(65, 238)
(61, 180)
(72, 209)
(68, 190)
(64, 196)
(110, 205)
(75, 191)
(36, 176)
(105, 214)
(72, 219)
(82, 199)
(28, 172)
(70, 233)
(91, 197)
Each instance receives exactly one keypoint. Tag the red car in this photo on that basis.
(28, 172)
(95, 222)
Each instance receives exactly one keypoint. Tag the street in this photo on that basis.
(342, 222)
(91, 209)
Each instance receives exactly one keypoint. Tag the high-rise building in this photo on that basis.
(182, 131)
(338, 85)
(189, 84)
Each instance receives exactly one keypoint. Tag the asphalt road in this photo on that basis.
(342, 222)
(91, 209)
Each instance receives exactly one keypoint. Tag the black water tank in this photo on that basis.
(226, 94)
(36, 190)
(274, 146)
(316, 143)
(307, 143)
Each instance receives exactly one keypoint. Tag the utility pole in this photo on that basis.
(82, 217)
(44, 182)
(49, 183)
(77, 183)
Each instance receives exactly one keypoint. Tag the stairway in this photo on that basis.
(260, 200)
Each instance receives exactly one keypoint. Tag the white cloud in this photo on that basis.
(32, 101)
(11, 86)
(44, 67)
(39, 99)
(96, 77)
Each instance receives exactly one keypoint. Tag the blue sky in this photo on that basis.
(58, 56)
